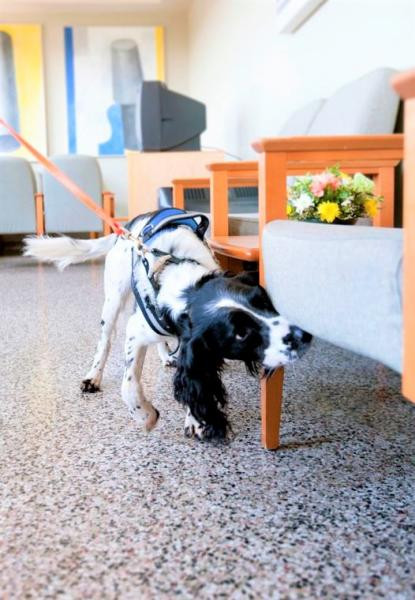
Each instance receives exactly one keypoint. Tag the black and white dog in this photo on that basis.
(213, 315)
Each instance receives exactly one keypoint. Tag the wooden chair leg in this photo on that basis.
(271, 403)
(385, 186)
(40, 214)
(272, 205)
(223, 261)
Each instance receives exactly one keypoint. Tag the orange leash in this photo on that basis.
(66, 181)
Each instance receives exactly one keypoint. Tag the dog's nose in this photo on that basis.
(305, 337)
(297, 337)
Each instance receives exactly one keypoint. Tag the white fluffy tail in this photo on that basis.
(64, 251)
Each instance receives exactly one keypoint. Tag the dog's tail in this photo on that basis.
(64, 251)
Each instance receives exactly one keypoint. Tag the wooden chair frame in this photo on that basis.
(108, 204)
(404, 84)
(374, 155)
(240, 174)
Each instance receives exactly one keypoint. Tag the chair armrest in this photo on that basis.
(188, 183)
(234, 167)
(376, 154)
(349, 143)
(404, 84)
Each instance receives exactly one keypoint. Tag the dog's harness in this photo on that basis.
(161, 221)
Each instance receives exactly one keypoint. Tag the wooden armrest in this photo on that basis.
(392, 141)
(239, 180)
(404, 84)
(190, 182)
(232, 167)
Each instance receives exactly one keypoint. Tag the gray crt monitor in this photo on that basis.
(166, 120)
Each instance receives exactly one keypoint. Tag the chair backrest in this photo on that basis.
(17, 191)
(367, 105)
(301, 120)
(63, 211)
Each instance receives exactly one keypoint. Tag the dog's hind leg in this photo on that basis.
(138, 336)
(117, 287)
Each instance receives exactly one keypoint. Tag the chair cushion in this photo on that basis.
(63, 211)
(301, 120)
(340, 283)
(367, 105)
(17, 190)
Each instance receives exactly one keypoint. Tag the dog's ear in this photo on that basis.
(198, 384)
(248, 277)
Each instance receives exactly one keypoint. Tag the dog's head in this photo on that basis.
(230, 317)
(234, 318)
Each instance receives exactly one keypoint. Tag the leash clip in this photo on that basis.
(139, 246)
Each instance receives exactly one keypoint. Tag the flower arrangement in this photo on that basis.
(332, 196)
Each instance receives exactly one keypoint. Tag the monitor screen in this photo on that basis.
(166, 120)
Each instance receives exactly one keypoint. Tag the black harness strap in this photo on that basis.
(148, 309)
(162, 220)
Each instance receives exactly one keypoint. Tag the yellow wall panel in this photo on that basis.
(27, 54)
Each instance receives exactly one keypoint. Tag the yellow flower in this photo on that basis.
(345, 176)
(371, 207)
(290, 210)
(328, 211)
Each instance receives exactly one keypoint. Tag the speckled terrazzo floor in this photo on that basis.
(92, 508)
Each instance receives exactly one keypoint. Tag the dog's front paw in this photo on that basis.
(89, 387)
(191, 431)
(206, 431)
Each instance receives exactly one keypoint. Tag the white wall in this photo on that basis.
(253, 78)
(114, 168)
(228, 54)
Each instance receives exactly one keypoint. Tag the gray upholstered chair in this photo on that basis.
(17, 196)
(340, 283)
(365, 106)
(63, 211)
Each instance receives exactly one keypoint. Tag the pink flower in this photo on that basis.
(323, 181)
(332, 181)
(317, 187)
